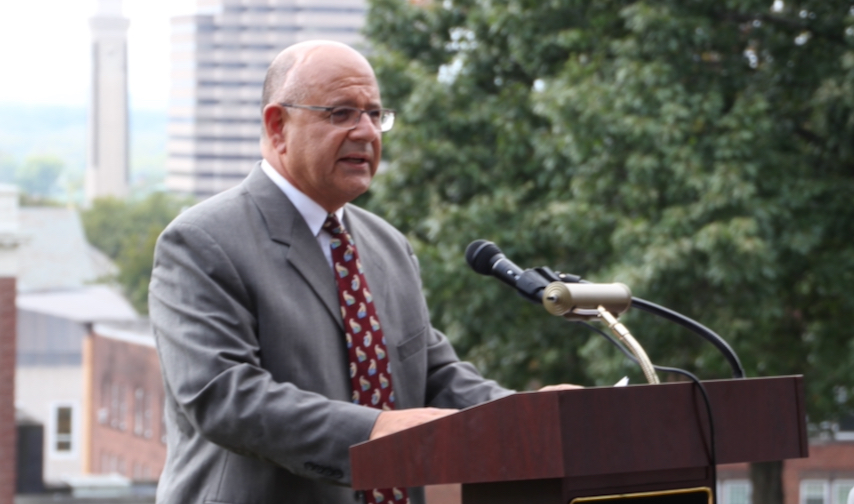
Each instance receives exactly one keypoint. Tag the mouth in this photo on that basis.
(356, 159)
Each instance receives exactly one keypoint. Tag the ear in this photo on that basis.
(274, 118)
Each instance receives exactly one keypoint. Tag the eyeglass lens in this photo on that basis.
(348, 116)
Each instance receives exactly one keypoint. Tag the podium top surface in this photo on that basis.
(592, 432)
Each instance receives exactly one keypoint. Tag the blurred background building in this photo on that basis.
(9, 241)
(220, 57)
(107, 170)
(62, 290)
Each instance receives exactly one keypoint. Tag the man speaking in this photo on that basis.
(290, 324)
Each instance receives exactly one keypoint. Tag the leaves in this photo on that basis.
(126, 231)
(38, 175)
(699, 151)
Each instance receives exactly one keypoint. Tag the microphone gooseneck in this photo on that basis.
(486, 258)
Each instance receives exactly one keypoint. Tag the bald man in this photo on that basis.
(245, 306)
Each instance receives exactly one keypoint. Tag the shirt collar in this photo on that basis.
(311, 211)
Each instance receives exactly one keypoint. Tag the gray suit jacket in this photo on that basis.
(248, 327)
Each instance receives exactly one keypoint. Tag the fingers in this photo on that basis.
(561, 386)
(390, 422)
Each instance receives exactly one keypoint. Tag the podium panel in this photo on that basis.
(558, 446)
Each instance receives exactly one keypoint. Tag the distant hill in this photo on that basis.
(61, 131)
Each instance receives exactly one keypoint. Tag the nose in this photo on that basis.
(364, 130)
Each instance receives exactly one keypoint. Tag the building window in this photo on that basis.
(841, 489)
(142, 413)
(62, 430)
(114, 405)
(104, 409)
(118, 407)
(814, 492)
(138, 411)
(737, 492)
(146, 417)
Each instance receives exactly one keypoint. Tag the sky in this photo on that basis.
(45, 51)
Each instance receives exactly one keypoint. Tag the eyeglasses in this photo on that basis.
(349, 117)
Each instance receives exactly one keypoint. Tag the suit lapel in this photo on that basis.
(287, 227)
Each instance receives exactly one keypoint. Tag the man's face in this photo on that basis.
(330, 164)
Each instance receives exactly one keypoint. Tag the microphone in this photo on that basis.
(562, 295)
(580, 301)
(487, 259)
(575, 299)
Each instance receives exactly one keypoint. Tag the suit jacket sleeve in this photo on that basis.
(430, 372)
(452, 383)
(206, 332)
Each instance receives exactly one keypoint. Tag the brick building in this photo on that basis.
(9, 242)
(58, 300)
(825, 477)
(7, 389)
(123, 424)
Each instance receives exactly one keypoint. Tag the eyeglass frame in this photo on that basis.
(382, 111)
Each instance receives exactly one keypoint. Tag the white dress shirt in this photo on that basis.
(313, 213)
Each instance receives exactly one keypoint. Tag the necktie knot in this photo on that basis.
(332, 224)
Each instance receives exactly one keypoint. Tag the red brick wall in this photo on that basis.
(7, 390)
(119, 370)
(827, 461)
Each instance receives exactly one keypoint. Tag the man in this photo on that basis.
(249, 307)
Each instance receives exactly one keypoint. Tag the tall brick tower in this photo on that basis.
(9, 240)
(107, 170)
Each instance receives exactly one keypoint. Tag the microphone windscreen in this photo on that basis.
(480, 255)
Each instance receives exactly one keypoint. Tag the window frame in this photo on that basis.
(726, 485)
(53, 437)
(825, 484)
(834, 490)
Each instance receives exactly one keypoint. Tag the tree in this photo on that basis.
(38, 175)
(700, 151)
(127, 231)
(8, 166)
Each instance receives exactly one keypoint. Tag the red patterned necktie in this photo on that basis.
(370, 373)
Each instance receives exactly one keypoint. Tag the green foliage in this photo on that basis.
(700, 151)
(8, 165)
(126, 231)
(38, 175)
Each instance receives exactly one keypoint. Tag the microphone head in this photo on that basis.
(482, 255)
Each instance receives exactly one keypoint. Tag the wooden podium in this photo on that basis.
(555, 447)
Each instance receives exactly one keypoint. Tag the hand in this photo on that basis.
(561, 386)
(390, 422)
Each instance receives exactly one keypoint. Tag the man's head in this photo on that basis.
(329, 163)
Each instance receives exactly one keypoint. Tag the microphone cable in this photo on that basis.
(664, 369)
(698, 328)
(686, 322)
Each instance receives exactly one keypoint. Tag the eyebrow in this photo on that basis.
(347, 102)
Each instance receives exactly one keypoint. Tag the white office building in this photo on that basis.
(219, 57)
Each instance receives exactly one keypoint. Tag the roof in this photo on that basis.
(92, 303)
(24, 418)
(54, 253)
(137, 332)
